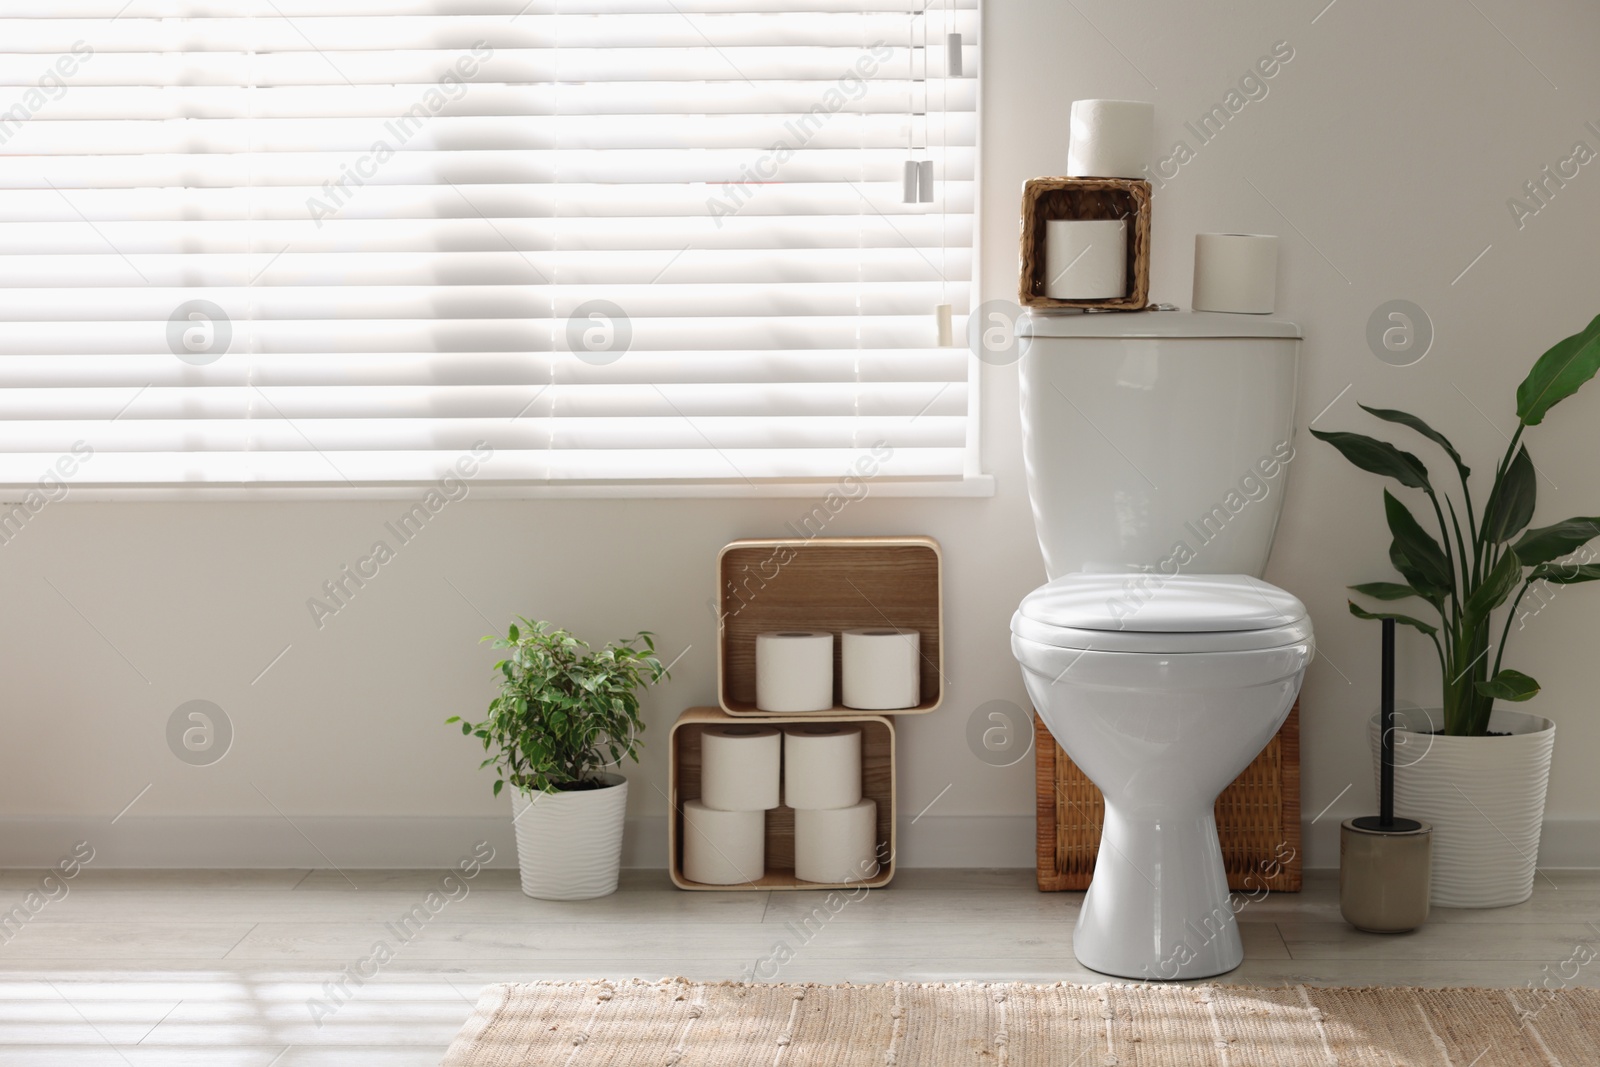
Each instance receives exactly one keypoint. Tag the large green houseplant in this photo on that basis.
(565, 714)
(1466, 575)
(1483, 795)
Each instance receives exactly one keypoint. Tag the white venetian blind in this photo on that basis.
(330, 242)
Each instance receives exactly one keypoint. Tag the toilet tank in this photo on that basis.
(1157, 440)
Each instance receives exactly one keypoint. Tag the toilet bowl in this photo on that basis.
(1161, 706)
(1156, 447)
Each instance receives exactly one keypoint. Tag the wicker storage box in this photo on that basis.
(1085, 198)
(1258, 817)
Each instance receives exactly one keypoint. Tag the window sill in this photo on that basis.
(981, 485)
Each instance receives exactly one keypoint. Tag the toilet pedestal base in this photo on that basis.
(1158, 906)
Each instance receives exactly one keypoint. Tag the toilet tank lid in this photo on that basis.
(1155, 603)
(1151, 324)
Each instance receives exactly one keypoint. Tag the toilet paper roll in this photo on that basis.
(739, 765)
(794, 671)
(723, 847)
(821, 765)
(1085, 259)
(880, 669)
(836, 844)
(1236, 272)
(1110, 138)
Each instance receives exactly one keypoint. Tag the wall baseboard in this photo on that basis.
(427, 841)
(436, 842)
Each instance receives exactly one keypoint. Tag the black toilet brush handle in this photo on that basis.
(1386, 721)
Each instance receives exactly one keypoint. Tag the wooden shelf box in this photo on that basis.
(826, 583)
(1258, 817)
(877, 784)
(1044, 199)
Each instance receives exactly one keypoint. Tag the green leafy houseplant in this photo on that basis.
(564, 712)
(1466, 576)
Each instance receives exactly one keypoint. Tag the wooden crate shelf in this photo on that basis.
(1044, 199)
(1258, 817)
(826, 583)
(878, 784)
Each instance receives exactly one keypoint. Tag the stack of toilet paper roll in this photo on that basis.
(879, 669)
(835, 828)
(725, 831)
(1085, 259)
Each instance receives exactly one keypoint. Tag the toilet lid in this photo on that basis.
(1151, 612)
(1037, 322)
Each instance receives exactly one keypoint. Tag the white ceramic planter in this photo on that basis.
(569, 845)
(1484, 796)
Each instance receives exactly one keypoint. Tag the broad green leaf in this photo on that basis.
(1559, 373)
(1546, 543)
(1379, 457)
(1406, 419)
(1509, 685)
(1567, 573)
(498, 786)
(512, 632)
(1419, 549)
(1405, 620)
(1496, 586)
(1411, 573)
(1386, 590)
(1511, 506)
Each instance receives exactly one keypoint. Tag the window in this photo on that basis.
(335, 243)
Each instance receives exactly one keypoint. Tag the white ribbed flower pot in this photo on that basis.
(1483, 795)
(569, 845)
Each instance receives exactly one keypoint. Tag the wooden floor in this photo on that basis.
(235, 968)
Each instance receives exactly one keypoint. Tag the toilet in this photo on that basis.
(1157, 445)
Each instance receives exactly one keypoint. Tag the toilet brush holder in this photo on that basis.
(1385, 862)
(1384, 874)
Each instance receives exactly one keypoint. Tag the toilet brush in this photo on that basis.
(1385, 861)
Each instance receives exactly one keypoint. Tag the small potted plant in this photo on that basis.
(1478, 773)
(564, 715)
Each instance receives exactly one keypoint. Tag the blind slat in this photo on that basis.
(522, 374)
(522, 466)
(529, 30)
(796, 238)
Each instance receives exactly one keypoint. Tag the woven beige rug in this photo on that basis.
(676, 1023)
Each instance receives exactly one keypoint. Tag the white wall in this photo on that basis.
(1390, 142)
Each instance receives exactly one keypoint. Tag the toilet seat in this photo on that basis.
(1154, 613)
